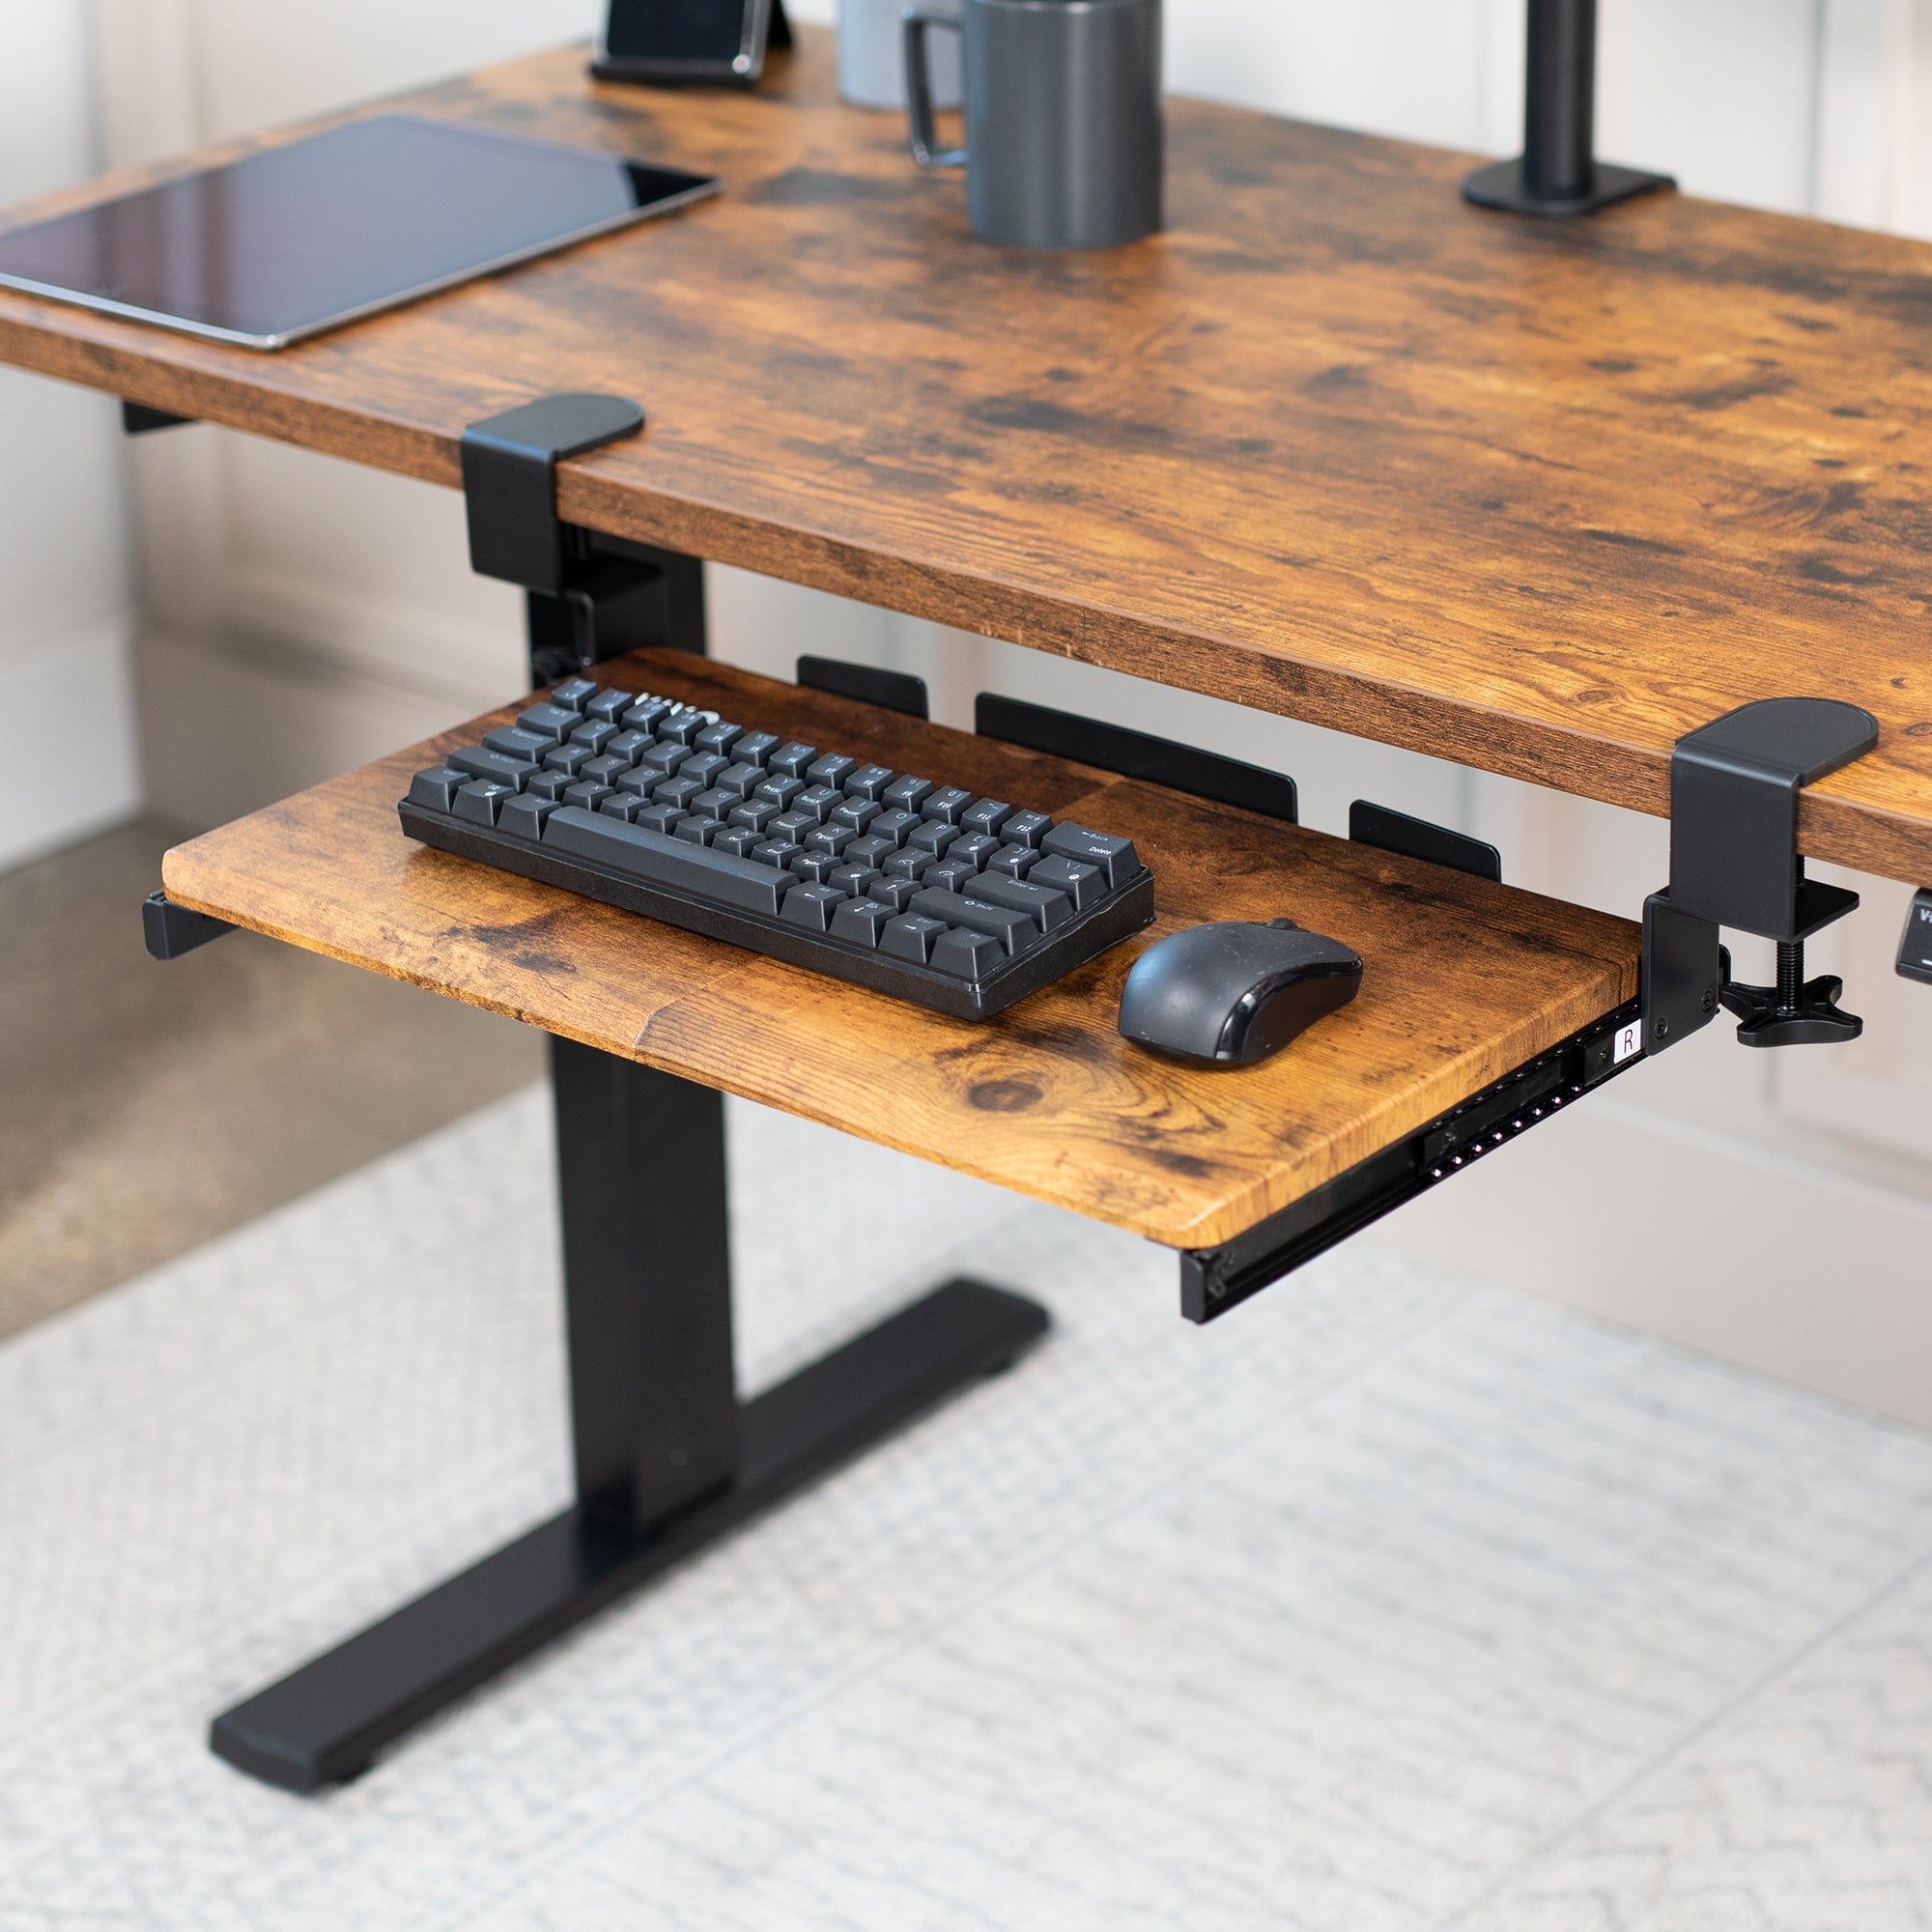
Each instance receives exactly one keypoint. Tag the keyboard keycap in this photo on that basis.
(1044, 906)
(630, 746)
(947, 806)
(740, 779)
(704, 767)
(1026, 828)
(830, 770)
(480, 763)
(594, 733)
(1116, 858)
(697, 869)
(898, 894)
(738, 841)
(932, 837)
(647, 715)
(854, 881)
(861, 921)
(906, 864)
(567, 758)
(525, 816)
(480, 799)
(678, 791)
(1082, 884)
(718, 737)
(547, 720)
(755, 815)
(821, 801)
(610, 705)
(790, 760)
(895, 824)
(664, 818)
(857, 812)
(812, 906)
(573, 694)
(548, 784)
(777, 853)
(604, 771)
(437, 787)
(793, 825)
(516, 743)
(987, 815)
(586, 794)
(867, 783)
(949, 874)
(818, 867)
(868, 850)
(968, 954)
(973, 847)
(829, 837)
(907, 794)
(780, 791)
(756, 747)
(714, 804)
(1014, 930)
(624, 804)
(682, 725)
(695, 831)
(911, 936)
(661, 759)
(1012, 862)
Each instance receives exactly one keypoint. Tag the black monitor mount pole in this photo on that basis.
(1558, 172)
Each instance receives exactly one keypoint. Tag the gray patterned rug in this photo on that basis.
(1389, 1602)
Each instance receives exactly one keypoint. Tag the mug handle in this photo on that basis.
(919, 90)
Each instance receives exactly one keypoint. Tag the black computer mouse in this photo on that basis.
(1236, 993)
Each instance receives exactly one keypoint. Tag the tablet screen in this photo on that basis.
(288, 240)
(676, 30)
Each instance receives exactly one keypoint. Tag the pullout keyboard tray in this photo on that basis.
(1483, 1009)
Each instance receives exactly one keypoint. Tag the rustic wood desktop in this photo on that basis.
(1541, 497)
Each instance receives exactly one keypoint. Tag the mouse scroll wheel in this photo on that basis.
(1284, 925)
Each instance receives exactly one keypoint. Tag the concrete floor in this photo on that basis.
(146, 1108)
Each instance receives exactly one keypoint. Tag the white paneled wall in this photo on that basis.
(331, 608)
(65, 594)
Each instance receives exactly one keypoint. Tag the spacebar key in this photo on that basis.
(654, 860)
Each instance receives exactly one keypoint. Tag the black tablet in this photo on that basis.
(290, 240)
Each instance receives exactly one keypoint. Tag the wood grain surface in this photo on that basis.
(1462, 980)
(1539, 496)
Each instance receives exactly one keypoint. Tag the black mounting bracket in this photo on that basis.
(1557, 172)
(866, 684)
(1734, 860)
(137, 418)
(1389, 830)
(171, 929)
(1915, 943)
(590, 595)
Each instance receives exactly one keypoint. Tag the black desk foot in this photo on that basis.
(327, 1721)
(1500, 184)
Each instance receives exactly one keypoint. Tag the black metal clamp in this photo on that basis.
(1915, 945)
(1734, 860)
(1557, 172)
(590, 595)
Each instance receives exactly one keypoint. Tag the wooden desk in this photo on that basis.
(1462, 981)
(1536, 497)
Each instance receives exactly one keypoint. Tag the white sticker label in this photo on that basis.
(1629, 1040)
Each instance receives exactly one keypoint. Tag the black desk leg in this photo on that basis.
(668, 1457)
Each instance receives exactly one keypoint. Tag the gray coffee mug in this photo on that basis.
(1063, 135)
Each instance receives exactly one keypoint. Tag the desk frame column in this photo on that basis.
(668, 1455)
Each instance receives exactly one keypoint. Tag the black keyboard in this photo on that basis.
(896, 881)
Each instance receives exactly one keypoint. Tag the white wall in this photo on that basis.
(1773, 1209)
(66, 613)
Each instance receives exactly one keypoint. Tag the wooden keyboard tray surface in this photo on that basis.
(1464, 979)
